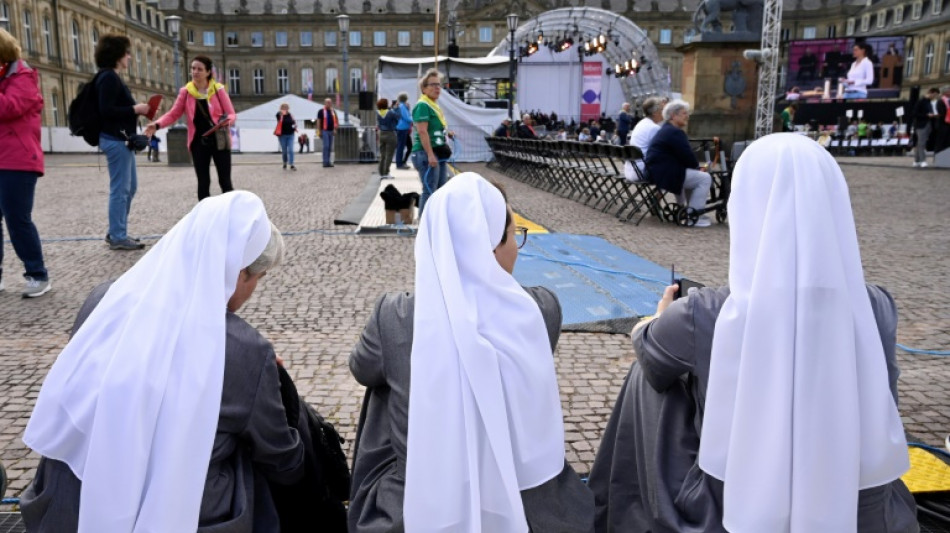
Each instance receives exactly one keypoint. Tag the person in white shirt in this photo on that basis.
(643, 133)
(861, 75)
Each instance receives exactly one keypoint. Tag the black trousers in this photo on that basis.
(201, 156)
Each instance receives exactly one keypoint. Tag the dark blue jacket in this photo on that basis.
(669, 156)
(388, 121)
(624, 123)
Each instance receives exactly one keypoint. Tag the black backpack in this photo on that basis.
(83, 115)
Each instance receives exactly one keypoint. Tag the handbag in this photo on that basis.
(442, 152)
(277, 129)
(222, 135)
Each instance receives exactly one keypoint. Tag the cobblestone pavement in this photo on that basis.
(315, 305)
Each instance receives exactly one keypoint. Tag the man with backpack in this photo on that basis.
(105, 115)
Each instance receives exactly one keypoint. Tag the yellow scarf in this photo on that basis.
(213, 87)
(382, 112)
(435, 107)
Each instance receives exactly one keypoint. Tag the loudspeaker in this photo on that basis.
(914, 93)
(367, 101)
(453, 50)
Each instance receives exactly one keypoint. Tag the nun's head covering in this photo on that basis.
(132, 402)
(484, 412)
(799, 415)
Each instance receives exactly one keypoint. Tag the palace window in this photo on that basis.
(306, 38)
(54, 105)
(234, 81)
(329, 38)
(356, 38)
(280, 39)
(832, 32)
(356, 79)
(909, 62)
(865, 22)
(77, 47)
(257, 39)
(402, 38)
(379, 38)
(898, 15)
(331, 75)
(485, 34)
(666, 36)
(849, 28)
(929, 59)
(306, 80)
(48, 36)
(231, 38)
(258, 81)
(936, 6)
(283, 81)
(428, 38)
(916, 9)
(881, 18)
(810, 32)
(208, 38)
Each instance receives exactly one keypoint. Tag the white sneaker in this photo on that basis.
(916, 164)
(923, 165)
(702, 222)
(35, 287)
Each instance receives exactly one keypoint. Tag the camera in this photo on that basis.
(686, 285)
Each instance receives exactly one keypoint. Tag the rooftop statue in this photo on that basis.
(746, 17)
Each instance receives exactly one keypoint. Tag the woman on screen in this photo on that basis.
(861, 74)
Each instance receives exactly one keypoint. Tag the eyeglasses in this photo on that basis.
(433, 85)
(521, 236)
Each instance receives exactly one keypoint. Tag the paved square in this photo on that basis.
(314, 306)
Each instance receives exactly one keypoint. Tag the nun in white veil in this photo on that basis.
(477, 442)
(769, 405)
(163, 413)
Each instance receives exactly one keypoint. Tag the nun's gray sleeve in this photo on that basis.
(665, 347)
(366, 359)
(276, 448)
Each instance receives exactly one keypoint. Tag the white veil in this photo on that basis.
(132, 402)
(799, 416)
(484, 413)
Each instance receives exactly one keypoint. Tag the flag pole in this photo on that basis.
(435, 59)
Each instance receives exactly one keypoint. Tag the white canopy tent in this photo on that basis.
(264, 116)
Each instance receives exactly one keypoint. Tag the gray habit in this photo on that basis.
(253, 443)
(380, 361)
(646, 478)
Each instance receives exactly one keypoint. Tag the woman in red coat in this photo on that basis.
(22, 162)
(205, 103)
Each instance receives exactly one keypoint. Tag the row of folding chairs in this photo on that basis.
(589, 173)
(870, 147)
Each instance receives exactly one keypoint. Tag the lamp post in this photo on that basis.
(176, 141)
(344, 21)
(512, 26)
(174, 26)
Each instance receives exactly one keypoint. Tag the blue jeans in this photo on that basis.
(327, 147)
(123, 181)
(16, 208)
(287, 149)
(849, 94)
(432, 177)
(402, 139)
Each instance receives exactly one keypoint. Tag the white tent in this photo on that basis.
(470, 123)
(264, 116)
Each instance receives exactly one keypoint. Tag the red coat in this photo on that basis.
(20, 106)
(219, 104)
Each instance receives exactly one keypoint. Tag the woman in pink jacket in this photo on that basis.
(206, 103)
(21, 163)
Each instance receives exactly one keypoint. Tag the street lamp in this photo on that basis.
(512, 26)
(177, 138)
(174, 26)
(344, 21)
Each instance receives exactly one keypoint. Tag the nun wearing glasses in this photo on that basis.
(769, 405)
(477, 442)
(164, 412)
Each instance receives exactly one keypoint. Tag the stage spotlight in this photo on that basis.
(565, 44)
(540, 37)
(532, 48)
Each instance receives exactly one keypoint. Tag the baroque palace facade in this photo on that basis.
(263, 49)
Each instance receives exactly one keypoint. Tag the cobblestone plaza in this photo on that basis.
(314, 306)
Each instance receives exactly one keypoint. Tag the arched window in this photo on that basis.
(356, 79)
(54, 107)
(929, 59)
(48, 36)
(148, 66)
(909, 62)
(95, 37)
(139, 67)
(28, 30)
(77, 48)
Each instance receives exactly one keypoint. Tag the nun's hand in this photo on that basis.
(280, 361)
(668, 296)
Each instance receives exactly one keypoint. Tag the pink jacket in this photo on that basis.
(219, 104)
(20, 106)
